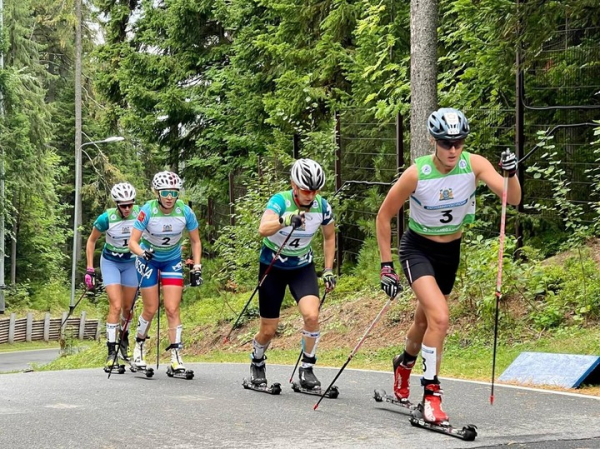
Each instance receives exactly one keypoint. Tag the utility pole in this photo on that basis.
(2, 286)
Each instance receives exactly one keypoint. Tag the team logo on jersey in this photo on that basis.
(141, 216)
(288, 203)
(125, 230)
(462, 164)
(426, 169)
(178, 210)
(167, 228)
(115, 254)
(113, 216)
(315, 204)
(446, 194)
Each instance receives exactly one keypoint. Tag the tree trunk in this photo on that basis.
(423, 72)
(78, 51)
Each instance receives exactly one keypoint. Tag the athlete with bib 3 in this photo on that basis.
(156, 240)
(300, 211)
(441, 190)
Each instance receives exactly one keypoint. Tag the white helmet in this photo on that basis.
(308, 175)
(448, 123)
(122, 192)
(166, 180)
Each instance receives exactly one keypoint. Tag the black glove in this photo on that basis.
(508, 163)
(196, 276)
(390, 282)
(90, 278)
(148, 255)
(329, 279)
(291, 219)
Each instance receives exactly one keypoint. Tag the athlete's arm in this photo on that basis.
(269, 223)
(485, 171)
(134, 242)
(90, 246)
(329, 244)
(196, 246)
(395, 199)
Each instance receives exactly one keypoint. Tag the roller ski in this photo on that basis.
(258, 378)
(177, 368)
(124, 348)
(381, 396)
(137, 363)
(112, 361)
(429, 415)
(309, 384)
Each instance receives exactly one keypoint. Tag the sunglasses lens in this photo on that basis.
(126, 206)
(307, 192)
(166, 193)
(447, 144)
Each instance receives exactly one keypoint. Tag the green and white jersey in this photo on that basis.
(442, 203)
(118, 232)
(297, 251)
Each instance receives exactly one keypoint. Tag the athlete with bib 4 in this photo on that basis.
(156, 240)
(116, 264)
(441, 191)
(300, 211)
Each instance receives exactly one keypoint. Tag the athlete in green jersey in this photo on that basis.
(299, 212)
(117, 265)
(441, 189)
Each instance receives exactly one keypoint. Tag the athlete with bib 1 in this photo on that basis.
(300, 211)
(156, 240)
(441, 190)
(116, 264)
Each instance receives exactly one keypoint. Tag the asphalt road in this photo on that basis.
(23, 360)
(82, 408)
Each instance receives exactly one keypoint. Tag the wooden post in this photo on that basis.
(29, 328)
(82, 325)
(399, 166)
(47, 327)
(11, 328)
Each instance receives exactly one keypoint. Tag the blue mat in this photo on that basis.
(539, 368)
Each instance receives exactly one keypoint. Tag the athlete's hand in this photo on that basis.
(90, 278)
(196, 276)
(329, 280)
(390, 282)
(508, 163)
(292, 219)
(147, 255)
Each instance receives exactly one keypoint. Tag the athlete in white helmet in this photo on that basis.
(300, 211)
(156, 240)
(116, 264)
(441, 189)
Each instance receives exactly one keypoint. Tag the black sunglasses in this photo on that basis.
(126, 206)
(448, 144)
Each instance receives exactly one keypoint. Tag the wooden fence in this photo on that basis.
(14, 330)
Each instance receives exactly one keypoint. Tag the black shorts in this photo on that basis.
(302, 282)
(421, 256)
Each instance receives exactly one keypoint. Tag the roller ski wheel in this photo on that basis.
(333, 392)
(467, 433)
(381, 396)
(145, 370)
(115, 369)
(274, 389)
(180, 373)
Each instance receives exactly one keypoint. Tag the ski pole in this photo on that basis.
(158, 329)
(128, 320)
(71, 310)
(302, 350)
(356, 348)
(499, 278)
(226, 339)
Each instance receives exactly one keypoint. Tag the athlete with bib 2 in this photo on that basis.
(300, 211)
(156, 240)
(441, 190)
(116, 264)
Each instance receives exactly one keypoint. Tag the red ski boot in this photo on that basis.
(402, 372)
(432, 405)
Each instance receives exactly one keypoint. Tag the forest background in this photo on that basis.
(227, 93)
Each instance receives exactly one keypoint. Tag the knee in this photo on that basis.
(311, 321)
(268, 331)
(172, 311)
(439, 322)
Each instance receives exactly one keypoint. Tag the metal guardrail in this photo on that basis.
(14, 330)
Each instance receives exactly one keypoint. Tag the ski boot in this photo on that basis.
(429, 415)
(309, 383)
(138, 363)
(112, 360)
(402, 372)
(176, 368)
(124, 348)
(258, 377)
